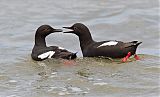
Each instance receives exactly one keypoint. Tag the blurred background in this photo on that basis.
(123, 20)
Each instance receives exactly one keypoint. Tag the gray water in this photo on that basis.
(124, 20)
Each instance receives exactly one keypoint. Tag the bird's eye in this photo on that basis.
(47, 29)
(75, 28)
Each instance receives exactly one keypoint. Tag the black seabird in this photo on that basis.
(111, 48)
(41, 52)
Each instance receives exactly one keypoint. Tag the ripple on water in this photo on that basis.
(124, 20)
(100, 83)
(68, 90)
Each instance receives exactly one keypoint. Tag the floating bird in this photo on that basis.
(41, 52)
(110, 48)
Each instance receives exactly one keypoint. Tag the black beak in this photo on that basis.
(72, 31)
(57, 30)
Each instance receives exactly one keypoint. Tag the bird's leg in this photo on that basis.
(136, 57)
(125, 58)
(69, 62)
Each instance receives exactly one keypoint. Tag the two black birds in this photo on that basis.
(89, 47)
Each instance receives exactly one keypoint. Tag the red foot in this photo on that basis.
(128, 55)
(136, 57)
(69, 62)
(125, 58)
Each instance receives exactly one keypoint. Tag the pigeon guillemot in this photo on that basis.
(41, 52)
(111, 48)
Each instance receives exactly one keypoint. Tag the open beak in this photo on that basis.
(70, 30)
(57, 30)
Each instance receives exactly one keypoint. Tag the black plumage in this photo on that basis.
(91, 48)
(41, 52)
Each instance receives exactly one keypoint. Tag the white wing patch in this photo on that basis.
(110, 43)
(48, 54)
(61, 48)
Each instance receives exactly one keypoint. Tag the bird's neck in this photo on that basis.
(85, 40)
(40, 40)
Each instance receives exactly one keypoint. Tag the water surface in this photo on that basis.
(123, 20)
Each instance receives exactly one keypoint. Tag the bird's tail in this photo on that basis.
(73, 55)
(136, 43)
(133, 43)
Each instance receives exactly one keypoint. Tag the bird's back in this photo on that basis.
(113, 49)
